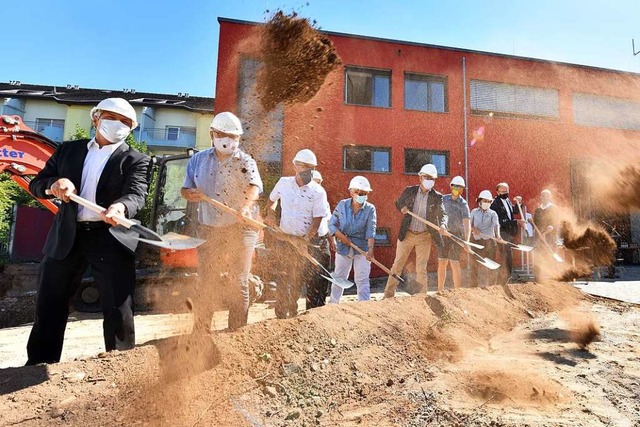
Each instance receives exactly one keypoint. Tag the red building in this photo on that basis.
(393, 106)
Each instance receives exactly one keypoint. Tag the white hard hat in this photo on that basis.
(306, 156)
(118, 106)
(227, 122)
(360, 183)
(458, 180)
(429, 170)
(485, 194)
(316, 175)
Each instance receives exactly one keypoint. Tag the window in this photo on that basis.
(600, 111)
(173, 133)
(508, 100)
(425, 93)
(368, 87)
(367, 159)
(382, 237)
(415, 158)
(51, 128)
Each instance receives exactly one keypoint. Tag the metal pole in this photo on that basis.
(466, 130)
(144, 111)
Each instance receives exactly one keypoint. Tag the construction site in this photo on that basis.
(558, 349)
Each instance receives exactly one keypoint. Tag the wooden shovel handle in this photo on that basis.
(252, 222)
(97, 209)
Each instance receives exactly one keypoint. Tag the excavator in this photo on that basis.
(24, 152)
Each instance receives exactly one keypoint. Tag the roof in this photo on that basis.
(449, 48)
(77, 95)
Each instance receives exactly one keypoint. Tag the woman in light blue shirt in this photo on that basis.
(354, 220)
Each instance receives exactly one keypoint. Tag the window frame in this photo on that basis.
(446, 153)
(373, 148)
(373, 72)
(170, 127)
(427, 78)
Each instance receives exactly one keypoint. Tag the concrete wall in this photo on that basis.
(41, 109)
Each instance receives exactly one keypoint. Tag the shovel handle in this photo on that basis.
(451, 236)
(126, 222)
(218, 204)
(376, 262)
(544, 241)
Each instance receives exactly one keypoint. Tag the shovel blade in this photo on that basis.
(557, 257)
(128, 238)
(343, 283)
(175, 241)
(489, 263)
(523, 248)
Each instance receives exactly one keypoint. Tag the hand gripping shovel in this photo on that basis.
(295, 241)
(376, 262)
(454, 238)
(129, 232)
(489, 263)
(517, 247)
(555, 256)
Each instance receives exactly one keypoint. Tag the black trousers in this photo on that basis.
(317, 286)
(506, 254)
(113, 269)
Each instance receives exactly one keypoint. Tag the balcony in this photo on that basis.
(52, 129)
(172, 136)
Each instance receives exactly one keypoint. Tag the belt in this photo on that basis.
(91, 225)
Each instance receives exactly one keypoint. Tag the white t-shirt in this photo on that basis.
(299, 205)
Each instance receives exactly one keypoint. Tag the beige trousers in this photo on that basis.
(422, 243)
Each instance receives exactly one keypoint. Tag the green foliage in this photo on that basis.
(79, 133)
(10, 194)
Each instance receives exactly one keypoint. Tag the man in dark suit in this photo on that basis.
(507, 213)
(426, 202)
(104, 170)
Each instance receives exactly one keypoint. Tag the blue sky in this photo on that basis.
(171, 46)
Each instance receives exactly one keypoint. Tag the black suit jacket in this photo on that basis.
(507, 226)
(435, 210)
(124, 180)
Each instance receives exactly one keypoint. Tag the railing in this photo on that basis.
(167, 137)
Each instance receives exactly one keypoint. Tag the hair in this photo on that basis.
(502, 184)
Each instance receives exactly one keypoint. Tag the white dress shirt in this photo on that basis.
(507, 206)
(299, 205)
(93, 166)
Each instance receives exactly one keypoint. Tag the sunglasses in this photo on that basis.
(361, 193)
(458, 187)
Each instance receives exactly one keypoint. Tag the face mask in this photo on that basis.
(456, 191)
(361, 199)
(306, 176)
(113, 130)
(485, 205)
(504, 196)
(428, 183)
(225, 145)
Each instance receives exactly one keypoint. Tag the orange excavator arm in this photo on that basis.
(23, 153)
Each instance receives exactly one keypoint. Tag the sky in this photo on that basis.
(168, 46)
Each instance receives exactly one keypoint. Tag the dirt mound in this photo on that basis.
(297, 60)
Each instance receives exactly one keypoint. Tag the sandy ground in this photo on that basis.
(496, 356)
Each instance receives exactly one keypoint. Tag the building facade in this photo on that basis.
(393, 106)
(168, 123)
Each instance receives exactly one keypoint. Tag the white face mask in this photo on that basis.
(485, 205)
(428, 183)
(225, 145)
(113, 130)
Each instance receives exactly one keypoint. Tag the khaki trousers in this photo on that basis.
(422, 243)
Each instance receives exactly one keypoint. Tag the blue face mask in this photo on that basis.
(361, 199)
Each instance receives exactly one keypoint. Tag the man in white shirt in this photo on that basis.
(303, 204)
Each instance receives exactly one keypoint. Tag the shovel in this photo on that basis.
(129, 232)
(376, 262)
(555, 256)
(489, 263)
(295, 241)
(517, 247)
(451, 236)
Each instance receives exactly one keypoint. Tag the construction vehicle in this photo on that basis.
(24, 152)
